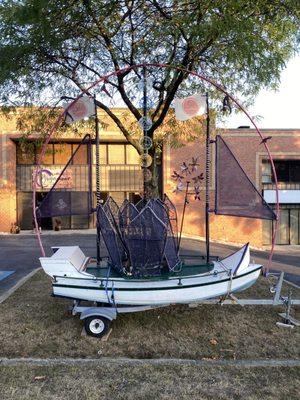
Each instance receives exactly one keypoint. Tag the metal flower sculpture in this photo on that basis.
(177, 177)
(185, 168)
(198, 179)
(188, 172)
(194, 164)
(179, 187)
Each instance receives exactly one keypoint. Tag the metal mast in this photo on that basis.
(145, 150)
(98, 198)
(207, 181)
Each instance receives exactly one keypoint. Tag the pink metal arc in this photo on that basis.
(154, 65)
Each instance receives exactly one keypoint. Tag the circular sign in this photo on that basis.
(146, 142)
(78, 109)
(190, 106)
(146, 160)
(145, 123)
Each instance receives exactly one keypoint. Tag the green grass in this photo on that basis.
(34, 324)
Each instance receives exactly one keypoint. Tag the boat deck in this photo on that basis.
(187, 270)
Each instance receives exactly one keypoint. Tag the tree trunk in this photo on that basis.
(151, 178)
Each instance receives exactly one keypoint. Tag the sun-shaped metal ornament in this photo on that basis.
(146, 142)
(146, 160)
(145, 123)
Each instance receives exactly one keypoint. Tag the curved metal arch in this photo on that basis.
(155, 65)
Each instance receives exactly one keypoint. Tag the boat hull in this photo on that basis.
(171, 291)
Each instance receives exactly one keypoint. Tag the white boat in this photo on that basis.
(74, 276)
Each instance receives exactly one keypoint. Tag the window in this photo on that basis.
(287, 170)
(132, 156)
(25, 154)
(266, 175)
(48, 157)
(295, 171)
(116, 154)
(62, 153)
(81, 155)
(102, 153)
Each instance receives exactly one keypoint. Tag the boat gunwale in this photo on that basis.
(178, 286)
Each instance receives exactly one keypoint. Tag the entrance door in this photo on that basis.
(294, 226)
(283, 234)
(288, 228)
(46, 222)
(24, 208)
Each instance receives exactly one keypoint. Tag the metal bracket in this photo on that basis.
(288, 321)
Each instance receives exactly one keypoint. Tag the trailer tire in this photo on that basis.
(97, 325)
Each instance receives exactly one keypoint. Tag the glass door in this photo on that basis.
(294, 226)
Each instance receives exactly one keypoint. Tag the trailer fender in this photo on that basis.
(109, 313)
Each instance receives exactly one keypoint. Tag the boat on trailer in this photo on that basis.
(144, 268)
(77, 277)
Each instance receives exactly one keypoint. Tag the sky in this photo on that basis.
(278, 109)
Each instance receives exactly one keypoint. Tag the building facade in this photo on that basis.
(121, 178)
(119, 165)
(246, 147)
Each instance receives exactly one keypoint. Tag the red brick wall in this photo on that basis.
(7, 174)
(245, 145)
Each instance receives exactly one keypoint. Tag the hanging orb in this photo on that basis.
(145, 123)
(147, 175)
(149, 103)
(146, 160)
(140, 84)
(146, 142)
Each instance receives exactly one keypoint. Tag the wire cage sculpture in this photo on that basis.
(145, 237)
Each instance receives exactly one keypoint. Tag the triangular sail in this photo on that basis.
(62, 198)
(235, 194)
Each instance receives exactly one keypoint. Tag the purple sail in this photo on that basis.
(235, 193)
(62, 199)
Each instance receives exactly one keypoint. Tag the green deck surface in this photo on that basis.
(187, 270)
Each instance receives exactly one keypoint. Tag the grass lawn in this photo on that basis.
(148, 382)
(33, 324)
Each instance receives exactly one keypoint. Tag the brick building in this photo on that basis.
(119, 163)
(121, 178)
(245, 145)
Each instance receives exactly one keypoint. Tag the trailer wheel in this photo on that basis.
(96, 325)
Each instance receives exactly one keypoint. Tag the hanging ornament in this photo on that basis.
(146, 142)
(150, 103)
(145, 123)
(147, 175)
(145, 160)
(140, 84)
